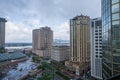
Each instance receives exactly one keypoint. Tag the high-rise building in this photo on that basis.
(111, 37)
(2, 32)
(35, 40)
(79, 43)
(96, 48)
(42, 41)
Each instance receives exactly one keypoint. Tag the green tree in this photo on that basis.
(41, 67)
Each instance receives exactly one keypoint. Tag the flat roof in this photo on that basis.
(3, 20)
(11, 56)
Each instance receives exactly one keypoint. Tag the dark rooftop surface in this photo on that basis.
(3, 20)
(11, 56)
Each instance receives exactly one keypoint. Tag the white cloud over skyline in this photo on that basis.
(25, 15)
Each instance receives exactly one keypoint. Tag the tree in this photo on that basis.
(41, 67)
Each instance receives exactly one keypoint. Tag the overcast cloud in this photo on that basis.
(25, 15)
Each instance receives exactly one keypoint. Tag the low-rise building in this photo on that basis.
(60, 53)
(44, 53)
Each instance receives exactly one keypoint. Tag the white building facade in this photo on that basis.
(96, 48)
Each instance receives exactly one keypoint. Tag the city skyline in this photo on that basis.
(24, 16)
(60, 40)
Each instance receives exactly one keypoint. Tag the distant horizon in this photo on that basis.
(31, 42)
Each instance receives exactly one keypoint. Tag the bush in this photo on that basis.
(36, 59)
(41, 67)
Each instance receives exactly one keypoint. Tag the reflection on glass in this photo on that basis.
(115, 8)
(115, 16)
(115, 1)
(115, 23)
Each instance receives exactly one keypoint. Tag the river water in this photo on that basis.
(20, 70)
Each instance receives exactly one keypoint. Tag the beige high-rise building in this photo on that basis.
(79, 43)
(42, 42)
(35, 40)
(2, 32)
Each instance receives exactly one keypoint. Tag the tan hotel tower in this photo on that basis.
(79, 44)
(42, 42)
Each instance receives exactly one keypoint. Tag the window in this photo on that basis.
(100, 56)
(96, 30)
(96, 46)
(100, 53)
(115, 8)
(100, 36)
(115, 16)
(96, 55)
(100, 43)
(96, 52)
(96, 33)
(96, 43)
(115, 1)
(100, 30)
(98, 23)
(100, 49)
(96, 37)
(96, 49)
(100, 40)
(92, 24)
(115, 23)
(100, 46)
(96, 40)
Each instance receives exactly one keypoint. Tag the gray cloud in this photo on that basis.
(54, 13)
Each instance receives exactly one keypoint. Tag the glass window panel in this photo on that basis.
(115, 8)
(115, 1)
(115, 23)
(116, 59)
(115, 16)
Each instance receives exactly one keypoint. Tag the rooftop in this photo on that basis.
(82, 16)
(3, 20)
(11, 56)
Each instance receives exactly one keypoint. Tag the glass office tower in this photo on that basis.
(111, 37)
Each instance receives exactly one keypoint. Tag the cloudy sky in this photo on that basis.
(25, 15)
